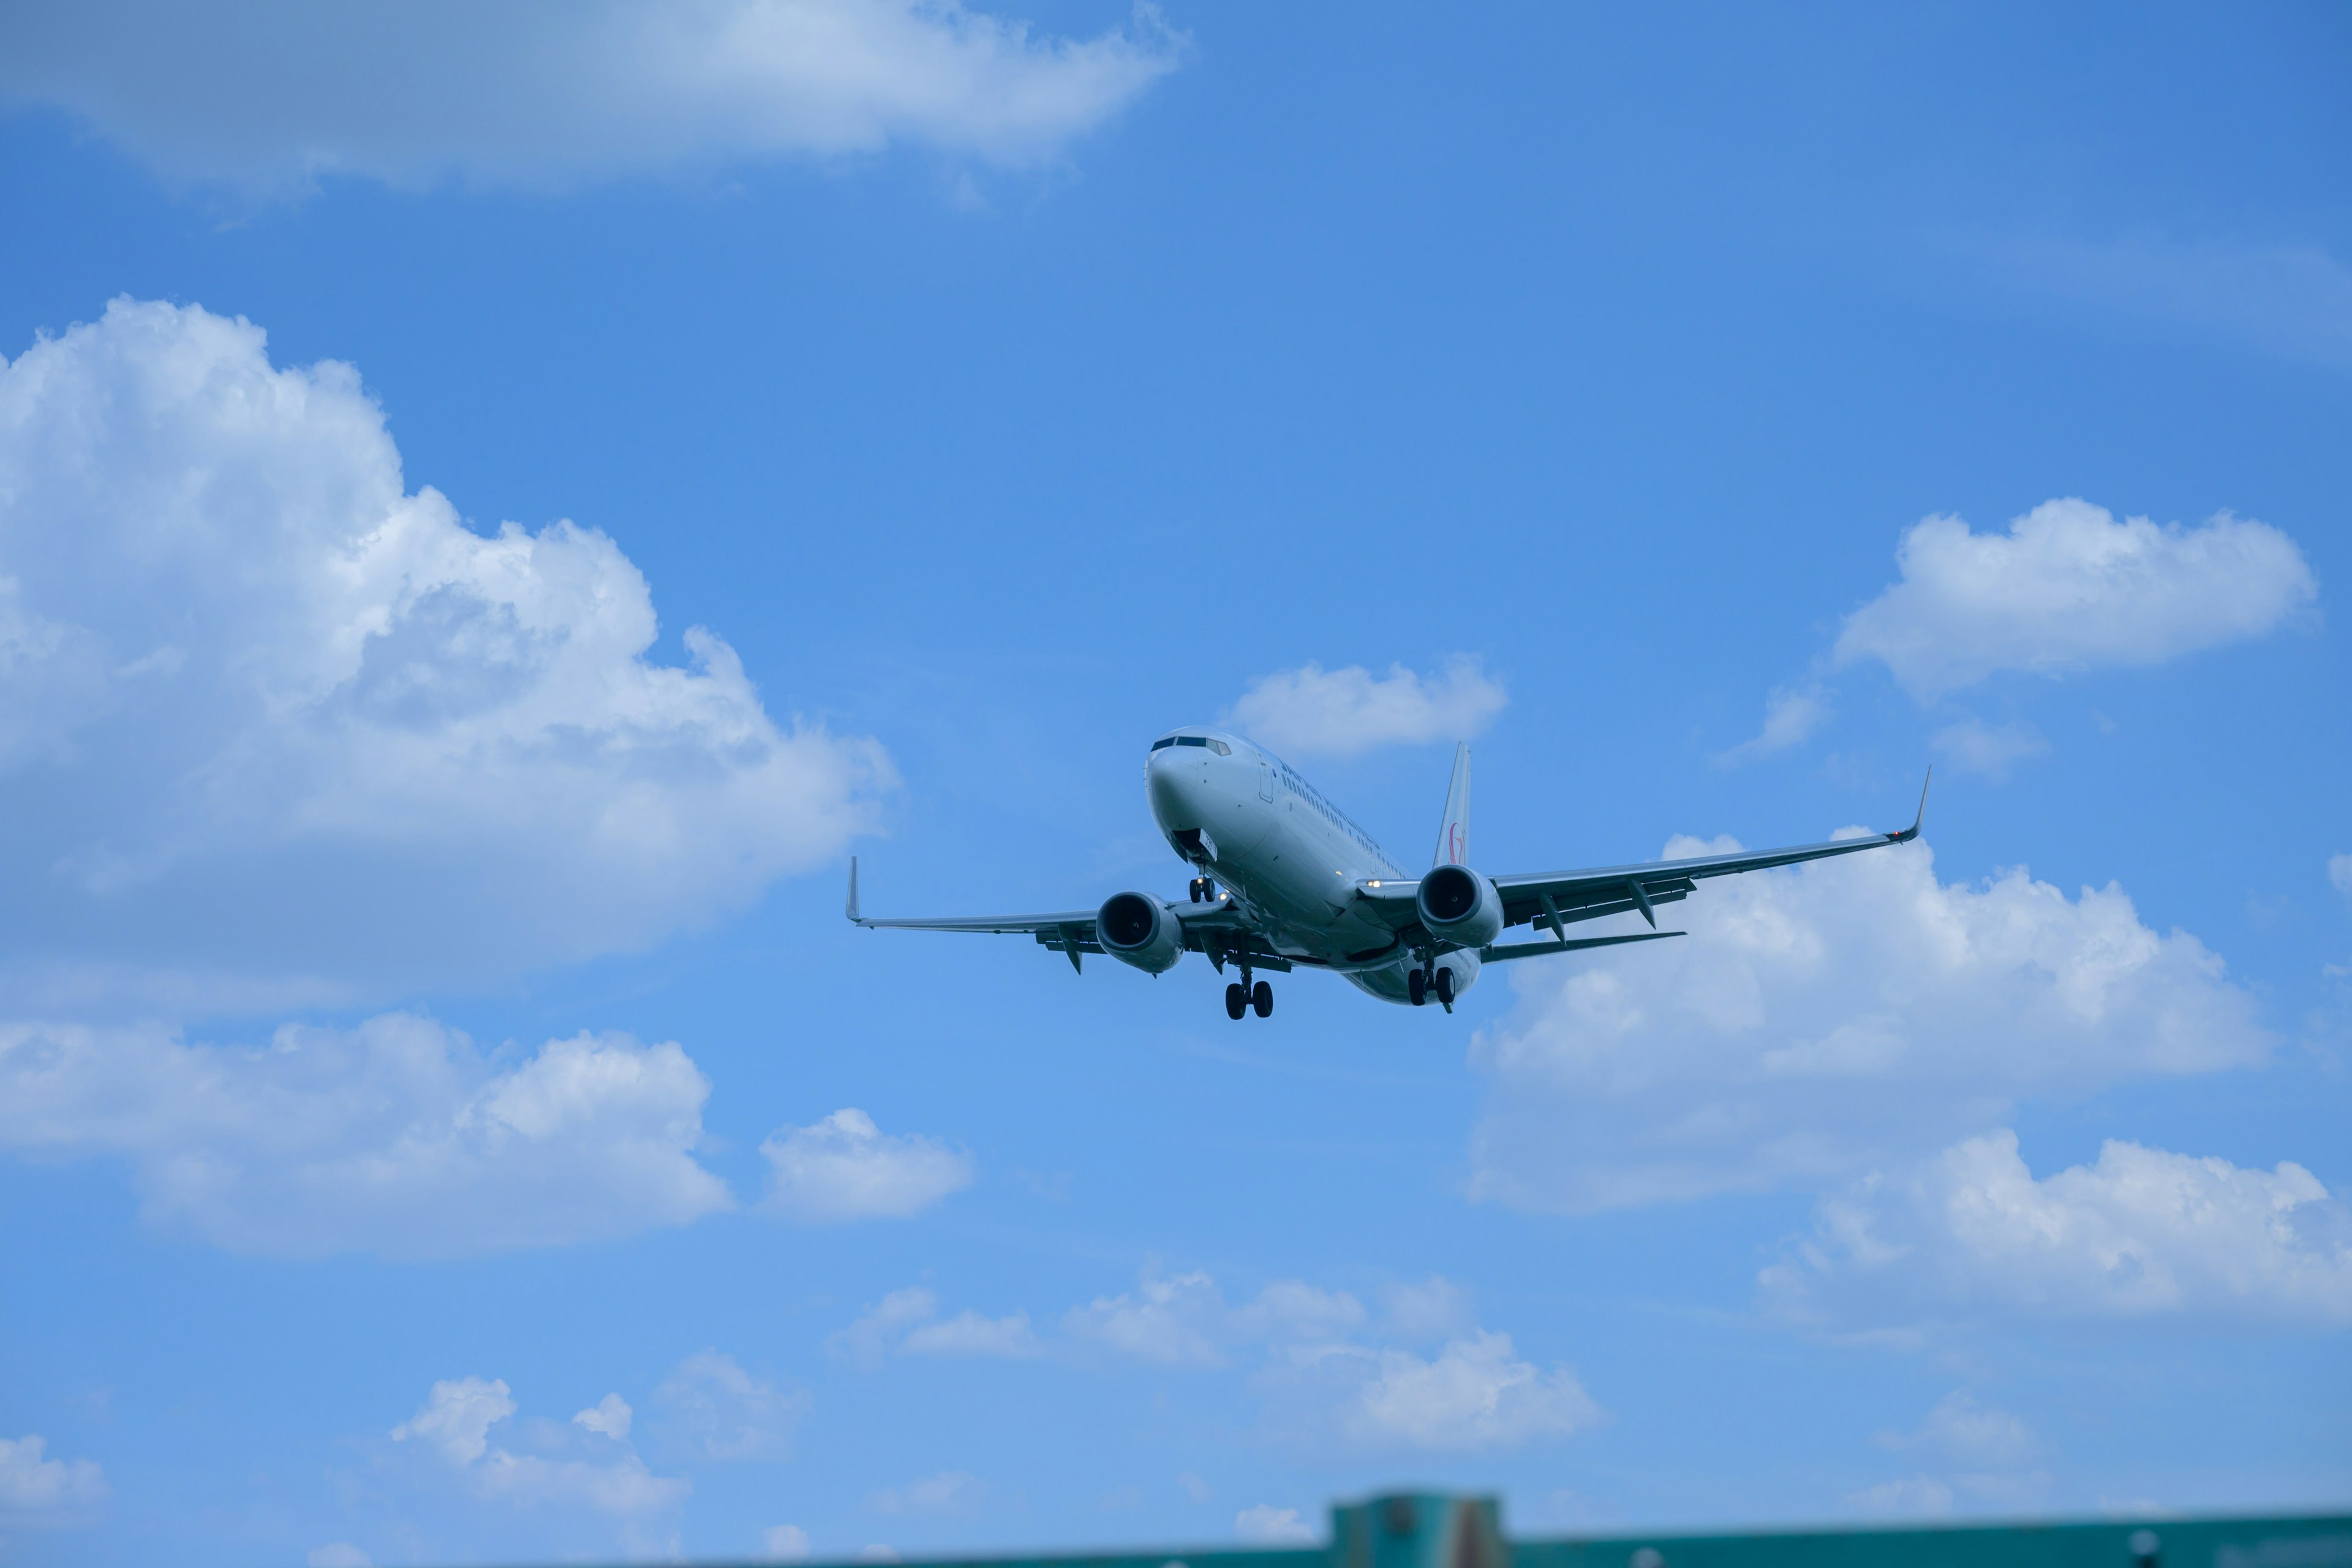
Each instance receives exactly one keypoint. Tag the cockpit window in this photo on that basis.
(1221, 748)
(1191, 739)
(1162, 743)
(1217, 746)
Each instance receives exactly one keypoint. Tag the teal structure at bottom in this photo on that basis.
(1437, 1530)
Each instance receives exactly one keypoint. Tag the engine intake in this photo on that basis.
(1458, 905)
(1138, 929)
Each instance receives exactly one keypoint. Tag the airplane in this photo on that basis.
(1286, 880)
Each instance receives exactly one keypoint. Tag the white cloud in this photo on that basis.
(722, 1412)
(970, 1334)
(1176, 1322)
(1311, 712)
(338, 1554)
(1913, 1497)
(458, 1416)
(784, 1543)
(2067, 588)
(1825, 1018)
(397, 1136)
(1329, 1371)
(1435, 1308)
(846, 1168)
(876, 1552)
(1792, 714)
(609, 1416)
(272, 96)
(878, 1330)
(2143, 1233)
(455, 1425)
(949, 1491)
(2339, 871)
(1474, 1394)
(1974, 746)
(1965, 1430)
(280, 732)
(1266, 1525)
(2294, 300)
(907, 1322)
(30, 1482)
(623, 1487)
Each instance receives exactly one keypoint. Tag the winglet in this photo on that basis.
(1912, 832)
(851, 908)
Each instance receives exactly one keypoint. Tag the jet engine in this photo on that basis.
(1458, 905)
(1138, 929)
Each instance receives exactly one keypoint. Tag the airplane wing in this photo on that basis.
(1219, 930)
(1553, 899)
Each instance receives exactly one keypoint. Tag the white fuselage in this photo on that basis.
(1287, 855)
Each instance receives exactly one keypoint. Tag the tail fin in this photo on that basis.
(1454, 838)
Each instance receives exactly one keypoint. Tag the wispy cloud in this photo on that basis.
(550, 94)
(2294, 300)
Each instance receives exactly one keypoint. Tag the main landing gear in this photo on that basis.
(1421, 981)
(1203, 891)
(1243, 997)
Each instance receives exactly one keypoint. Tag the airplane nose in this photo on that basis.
(1174, 789)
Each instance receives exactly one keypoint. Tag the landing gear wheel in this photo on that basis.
(1416, 984)
(1261, 999)
(1194, 890)
(1446, 987)
(1236, 1000)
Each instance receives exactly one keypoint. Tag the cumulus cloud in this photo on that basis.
(1311, 712)
(2068, 588)
(30, 1481)
(1266, 1525)
(2142, 1233)
(1332, 1369)
(1824, 1018)
(1992, 750)
(1473, 1395)
(722, 1412)
(784, 1543)
(1178, 1321)
(609, 1416)
(279, 732)
(397, 1136)
(458, 1416)
(271, 96)
(2339, 871)
(846, 1168)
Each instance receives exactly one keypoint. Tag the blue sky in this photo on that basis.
(493, 515)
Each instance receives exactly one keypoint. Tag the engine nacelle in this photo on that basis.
(1138, 929)
(1458, 905)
